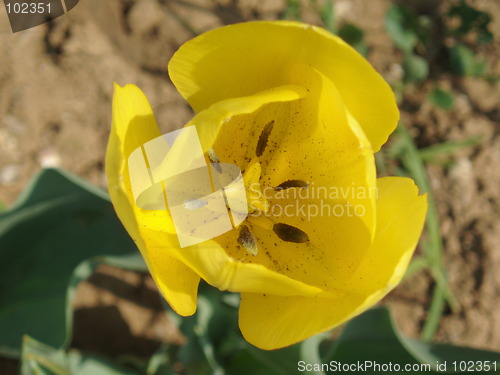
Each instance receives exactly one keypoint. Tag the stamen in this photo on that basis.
(247, 240)
(214, 159)
(291, 184)
(264, 137)
(289, 233)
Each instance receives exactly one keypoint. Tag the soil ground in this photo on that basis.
(55, 99)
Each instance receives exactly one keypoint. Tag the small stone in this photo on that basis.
(49, 158)
(9, 174)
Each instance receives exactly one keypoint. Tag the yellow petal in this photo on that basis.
(400, 218)
(271, 322)
(210, 122)
(177, 282)
(134, 124)
(213, 264)
(241, 59)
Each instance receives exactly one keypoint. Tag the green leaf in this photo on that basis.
(160, 362)
(216, 346)
(246, 363)
(373, 338)
(206, 332)
(416, 68)
(51, 239)
(283, 361)
(38, 358)
(400, 24)
(442, 99)
(471, 20)
(465, 62)
(354, 36)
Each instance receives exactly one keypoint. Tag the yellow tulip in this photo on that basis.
(301, 114)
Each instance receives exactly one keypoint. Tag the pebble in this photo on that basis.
(9, 174)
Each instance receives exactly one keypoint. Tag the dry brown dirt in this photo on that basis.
(56, 84)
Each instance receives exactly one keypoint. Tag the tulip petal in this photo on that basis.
(271, 322)
(241, 59)
(210, 122)
(134, 124)
(224, 272)
(399, 225)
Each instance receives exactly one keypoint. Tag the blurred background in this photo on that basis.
(442, 59)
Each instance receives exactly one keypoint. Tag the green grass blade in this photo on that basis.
(433, 248)
(417, 264)
(428, 154)
(435, 313)
(292, 10)
(328, 16)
